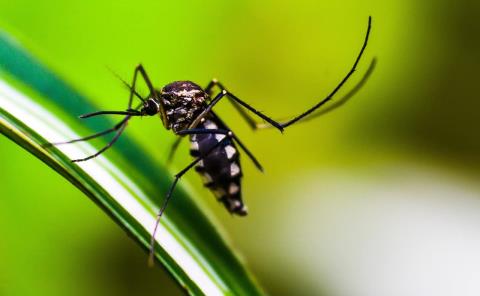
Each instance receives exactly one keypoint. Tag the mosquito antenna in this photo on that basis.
(130, 88)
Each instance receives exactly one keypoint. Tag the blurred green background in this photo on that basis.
(407, 143)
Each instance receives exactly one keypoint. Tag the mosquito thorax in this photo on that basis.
(182, 101)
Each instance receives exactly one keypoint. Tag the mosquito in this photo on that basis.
(187, 109)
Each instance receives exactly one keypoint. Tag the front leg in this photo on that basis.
(207, 110)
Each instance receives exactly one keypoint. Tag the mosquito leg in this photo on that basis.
(169, 195)
(258, 113)
(152, 90)
(109, 144)
(338, 103)
(244, 148)
(139, 68)
(346, 97)
(236, 100)
(119, 127)
(330, 96)
(237, 103)
(208, 109)
(250, 121)
(131, 112)
(133, 92)
(249, 154)
(214, 82)
(132, 89)
(116, 127)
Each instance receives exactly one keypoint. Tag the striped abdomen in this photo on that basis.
(220, 169)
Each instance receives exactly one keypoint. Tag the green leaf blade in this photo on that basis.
(189, 245)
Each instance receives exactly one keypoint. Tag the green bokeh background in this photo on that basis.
(420, 106)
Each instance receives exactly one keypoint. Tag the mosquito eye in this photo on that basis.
(151, 107)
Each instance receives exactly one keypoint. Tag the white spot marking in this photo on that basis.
(219, 137)
(234, 169)
(230, 150)
(219, 192)
(187, 93)
(233, 188)
(210, 125)
(233, 204)
(194, 145)
(206, 178)
(157, 104)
